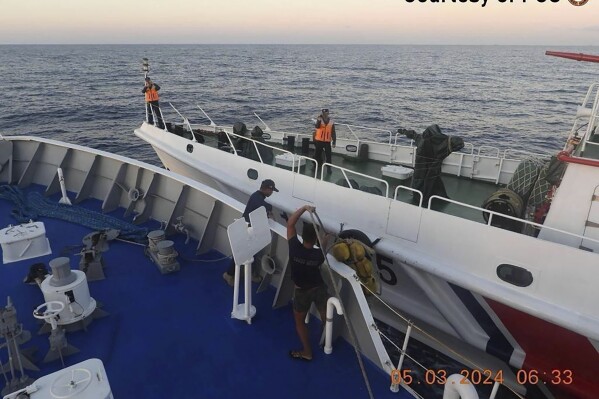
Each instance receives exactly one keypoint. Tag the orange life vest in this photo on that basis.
(151, 94)
(324, 132)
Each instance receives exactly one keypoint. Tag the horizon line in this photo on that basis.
(296, 44)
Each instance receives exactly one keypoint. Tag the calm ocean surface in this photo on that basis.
(507, 96)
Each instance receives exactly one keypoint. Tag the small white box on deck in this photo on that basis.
(397, 172)
(24, 241)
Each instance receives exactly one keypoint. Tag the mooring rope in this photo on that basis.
(34, 205)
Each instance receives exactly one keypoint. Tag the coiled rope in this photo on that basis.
(34, 205)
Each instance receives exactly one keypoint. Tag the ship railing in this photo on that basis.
(587, 116)
(345, 172)
(185, 122)
(413, 190)
(524, 153)
(296, 158)
(355, 140)
(492, 214)
(154, 117)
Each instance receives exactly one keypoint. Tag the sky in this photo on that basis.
(298, 22)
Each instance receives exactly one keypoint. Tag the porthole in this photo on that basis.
(190, 148)
(515, 275)
(252, 174)
(351, 148)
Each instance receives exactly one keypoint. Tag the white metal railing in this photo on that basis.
(588, 114)
(296, 166)
(308, 159)
(413, 190)
(154, 116)
(509, 151)
(373, 129)
(344, 172)
(185, 121)
(466, 147)
(493, 213)
(492, 149)
(266, 127)
(296, 158)
(206, 115)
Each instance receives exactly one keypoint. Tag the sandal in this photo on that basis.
(299, 356)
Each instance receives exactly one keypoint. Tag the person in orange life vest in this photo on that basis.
(324, 133)
(151, 92)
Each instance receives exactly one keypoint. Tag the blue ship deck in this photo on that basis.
(171, 336)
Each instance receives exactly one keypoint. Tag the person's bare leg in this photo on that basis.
(323, 321)
(302, 332)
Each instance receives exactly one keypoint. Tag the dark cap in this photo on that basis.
(325, 110)
(148, 79)
(269, 184)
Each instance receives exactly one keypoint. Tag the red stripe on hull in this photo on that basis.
(549, 347)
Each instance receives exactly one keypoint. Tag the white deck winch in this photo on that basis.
(24, 241)
(69, 287)
(85, 380)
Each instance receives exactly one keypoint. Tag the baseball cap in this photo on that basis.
(269, 184)
(325, 110)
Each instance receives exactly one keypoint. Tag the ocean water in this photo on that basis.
(505, 96)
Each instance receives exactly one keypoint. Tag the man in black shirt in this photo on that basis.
(256, 200)
(305, 261)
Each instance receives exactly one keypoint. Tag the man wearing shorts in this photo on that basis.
(305, 261)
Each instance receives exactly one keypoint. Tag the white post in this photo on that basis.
(332, 304)
(248, 290)
(235, 290)
(494, 391)
(244, 311)
(395, 387)
(245, 243)
(63, 188)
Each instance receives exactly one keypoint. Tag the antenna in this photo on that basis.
(145, 66)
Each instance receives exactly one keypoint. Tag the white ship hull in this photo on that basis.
(438, 268)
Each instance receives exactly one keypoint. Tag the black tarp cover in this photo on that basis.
(432, 147)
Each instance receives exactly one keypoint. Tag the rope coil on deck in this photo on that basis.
(34, 205)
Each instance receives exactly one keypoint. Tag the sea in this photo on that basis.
(500, 96)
